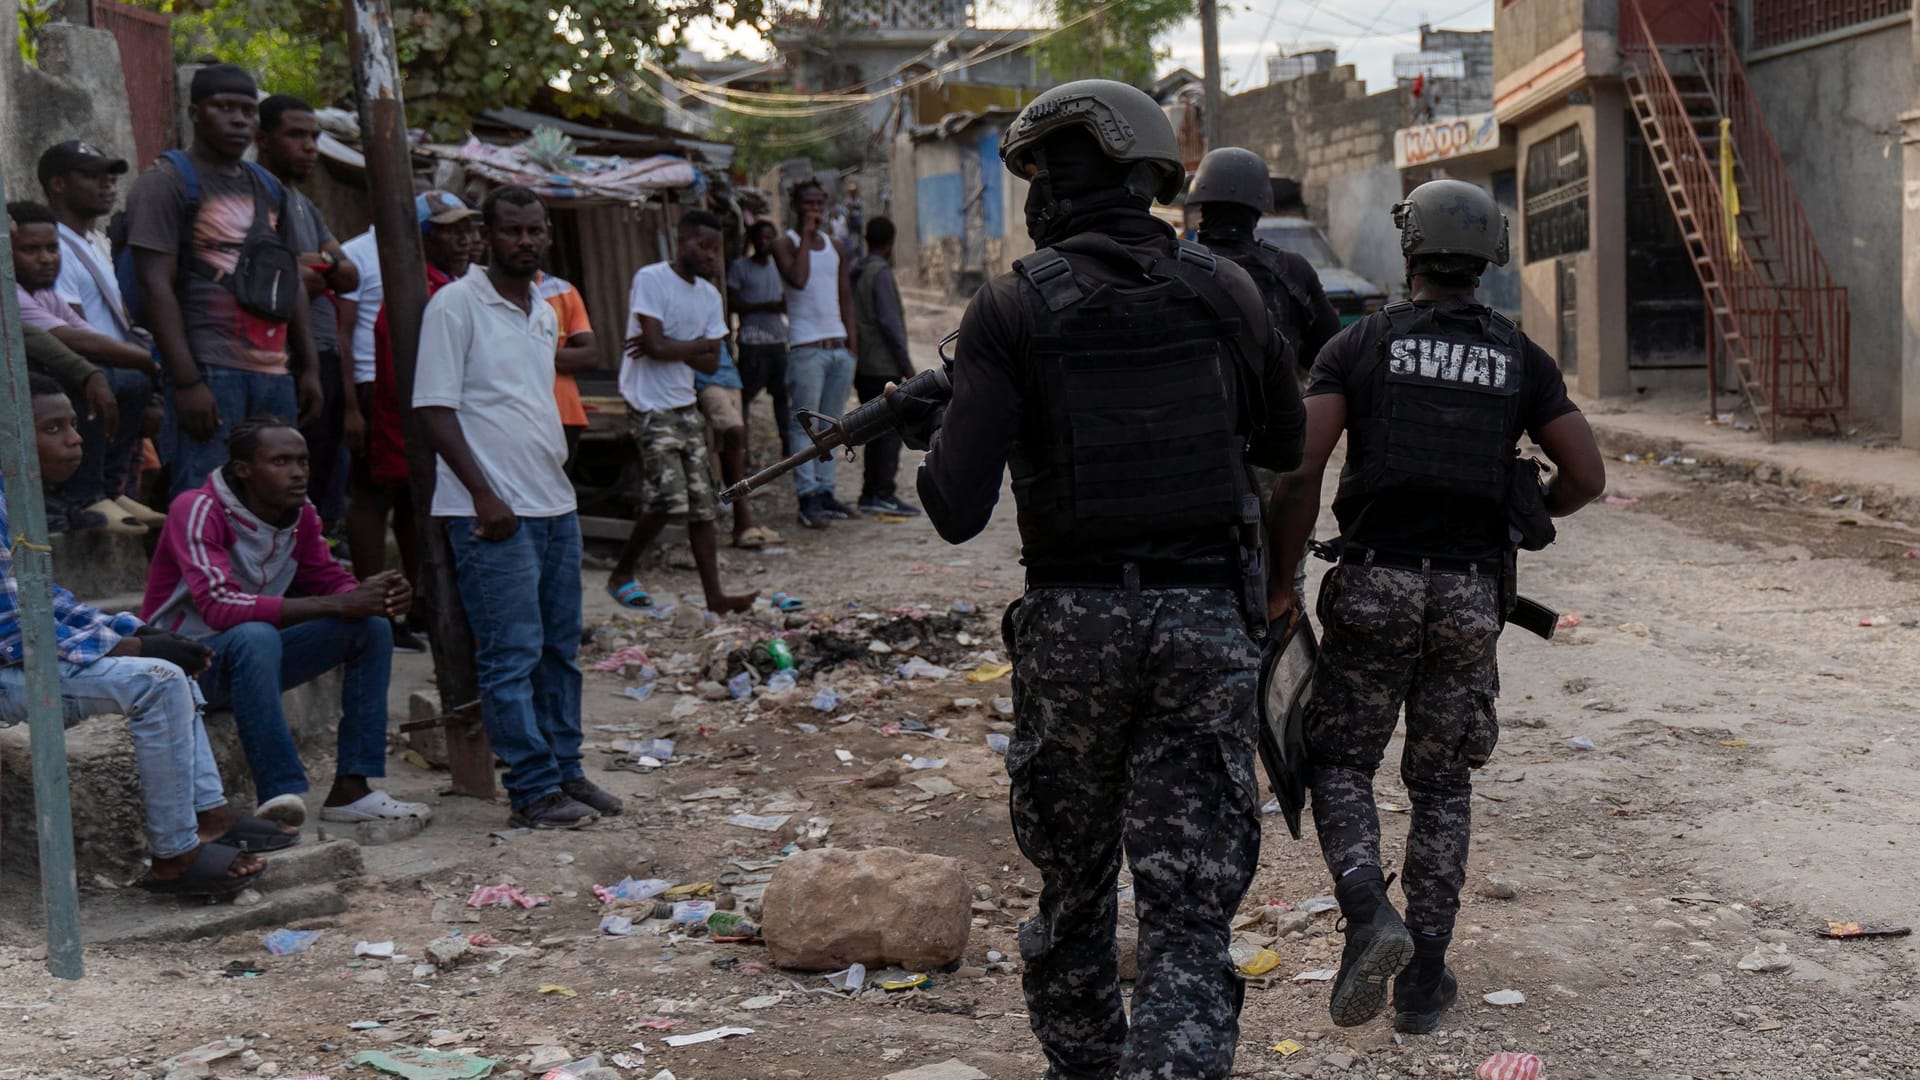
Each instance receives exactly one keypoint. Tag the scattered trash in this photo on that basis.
(759, 822)
(918, 763)
(850, 980)
(780, 653)
(1877, 620)
(764, 1001)
(782, 681)
(632, 654)
(916, 668)
(1508, 1065)
(740, 686)
(1260, 963)
(806, 729)
(1287, 1048)
(381, 949)
(505, 896)
(936, 786)
(1392, 807)
(629, 889)
(1581, 742)
(989, 672)
(1568, 621)
(1835, 929)
(689, 912)
(998, 743)
(1003, 706)
(284, 942)
(556, 990)
(638, 693)
(1317, 975)
(950, 1069)
(1771, 956)
(963, 607)
(878, 646)
(616, 925)
(826, 699)
(895, 980)
(1314, 905)
(711, 1035)
(241, 969)
(731, 927)
(362, 1025)
(1505, 997)
(417, 1064)
(1621, 500)
(845, 756)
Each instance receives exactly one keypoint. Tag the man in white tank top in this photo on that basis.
(821, 328)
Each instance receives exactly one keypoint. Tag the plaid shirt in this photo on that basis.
(85, 633)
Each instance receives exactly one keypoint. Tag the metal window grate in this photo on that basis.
(1776, 22)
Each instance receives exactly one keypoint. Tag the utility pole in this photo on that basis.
(389, 155)
(1210, 71)
(33, 576)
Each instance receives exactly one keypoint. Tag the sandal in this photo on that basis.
(783, 603)
(257, 836)
(376, 806)
(630, 595)
(206, 876)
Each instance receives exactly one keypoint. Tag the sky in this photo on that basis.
(1367, 33)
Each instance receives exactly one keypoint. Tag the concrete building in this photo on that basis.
(967, 214)
(1781, 278)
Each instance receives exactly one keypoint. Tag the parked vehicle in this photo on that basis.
(1351, 295)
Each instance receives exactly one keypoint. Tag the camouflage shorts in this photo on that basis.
(675, 477)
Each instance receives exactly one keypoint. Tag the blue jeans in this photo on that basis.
(238, 395)
(817, 379)
(104, 461)
(253, 663)
(522, 596)
(178, 777)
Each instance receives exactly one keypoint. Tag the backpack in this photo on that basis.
(266, 271)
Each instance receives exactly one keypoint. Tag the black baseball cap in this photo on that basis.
(77, 156)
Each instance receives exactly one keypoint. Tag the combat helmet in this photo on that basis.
(1232, 174)
(1129, 126)
(1452, 217)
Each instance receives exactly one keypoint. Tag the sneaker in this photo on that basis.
(830, 505)
(889, 504)
(811, 514)
(139, 511)
(591, 794)
(406, 641)
(555, 811)
(1378, 948)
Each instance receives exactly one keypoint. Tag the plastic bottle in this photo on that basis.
(782, 656)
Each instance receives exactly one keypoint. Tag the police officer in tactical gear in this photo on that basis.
(1233, 191)
(1127, 378)
(1433, 394)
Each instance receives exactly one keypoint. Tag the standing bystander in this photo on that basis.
(882, 359)
(577, 353)
(756, 294)
(821, 327)
(485, 391)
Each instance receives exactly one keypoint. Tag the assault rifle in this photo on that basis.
(858, 428)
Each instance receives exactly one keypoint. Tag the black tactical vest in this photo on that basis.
(1143, 400)
(1446, 399)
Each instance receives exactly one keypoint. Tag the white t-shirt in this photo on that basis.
(688, 311)
(86, 262)
(365, 253)
(813, 313)
(483, 357)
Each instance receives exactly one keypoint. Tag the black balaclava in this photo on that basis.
(1075, 179)
(1227, 221)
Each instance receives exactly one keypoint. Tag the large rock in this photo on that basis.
(829, 908)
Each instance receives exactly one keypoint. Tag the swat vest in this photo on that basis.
(1447, 398)
(1140, 391)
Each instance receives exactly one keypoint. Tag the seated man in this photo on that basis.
(113, 664)
(242, 567)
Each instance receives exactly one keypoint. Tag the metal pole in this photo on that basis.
(33, 573)
(1210, 71)
(389, 155)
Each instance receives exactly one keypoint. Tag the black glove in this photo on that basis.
(916, 418)
(185, 653)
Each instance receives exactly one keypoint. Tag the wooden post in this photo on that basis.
(1210, 72)
(383, 139)
(33, 575)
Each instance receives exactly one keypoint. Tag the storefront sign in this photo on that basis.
(1443, 139)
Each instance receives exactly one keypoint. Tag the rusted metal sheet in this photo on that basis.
(146, 62)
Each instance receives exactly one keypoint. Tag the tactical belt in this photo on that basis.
(1134, 576)
(1356, 555)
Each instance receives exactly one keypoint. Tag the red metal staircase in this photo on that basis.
(1772, 303)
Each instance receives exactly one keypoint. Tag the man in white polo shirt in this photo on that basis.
(484, 388)
(677, 327)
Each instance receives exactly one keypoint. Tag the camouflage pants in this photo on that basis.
(676, 478)
(1428, 641)
(1134, 727)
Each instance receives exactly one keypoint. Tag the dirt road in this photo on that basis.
(1751, 776)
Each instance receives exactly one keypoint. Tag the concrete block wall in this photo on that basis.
(75, 92)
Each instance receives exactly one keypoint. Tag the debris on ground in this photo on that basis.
(950, 1069)
(421, 1064)
(1765, 957)
(1509, 1065)
(1835, 929)
(1505, 997)
(711, 1035)
(284, 942)
(505, 896)
(828, 908)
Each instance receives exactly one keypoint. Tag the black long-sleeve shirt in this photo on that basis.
(961, 476)
(1309, 325)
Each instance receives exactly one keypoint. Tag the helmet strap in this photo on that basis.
(1043, 210)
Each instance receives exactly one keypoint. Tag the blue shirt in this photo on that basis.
(726, 374)
(85, 633)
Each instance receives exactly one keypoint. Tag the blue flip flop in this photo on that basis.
(784, 603)
(630, 595)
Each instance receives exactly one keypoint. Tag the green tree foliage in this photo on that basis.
(457, 57)
(1118, 43)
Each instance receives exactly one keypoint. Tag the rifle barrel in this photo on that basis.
(816, 452)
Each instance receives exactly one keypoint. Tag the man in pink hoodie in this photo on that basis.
(242, 568)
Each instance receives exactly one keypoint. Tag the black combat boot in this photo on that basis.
(1378, 947)
(1426, 990)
